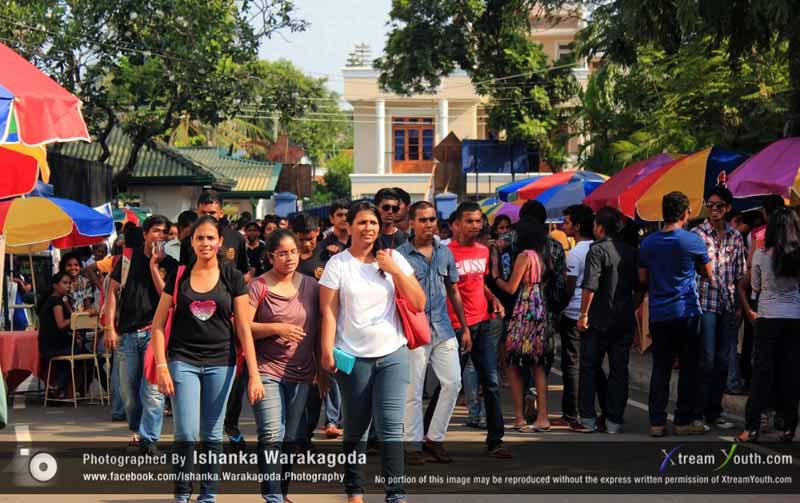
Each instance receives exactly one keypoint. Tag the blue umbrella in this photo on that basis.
(557, 199)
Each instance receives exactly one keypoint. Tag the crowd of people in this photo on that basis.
(300, 317)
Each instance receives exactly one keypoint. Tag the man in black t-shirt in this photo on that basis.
(255, 249)
(233, 249)
(139, 279)
(336, 241)
(307, 229)
(388, 203)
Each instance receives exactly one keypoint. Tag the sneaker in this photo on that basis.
(235, 437)
(149, 449)
(696, 427)
(332, 431)
(613, 428)
(482, 424)
(580, 427)
(415, 458)
(722, 424)
(657, 431)
(436, 449)
(118, 419)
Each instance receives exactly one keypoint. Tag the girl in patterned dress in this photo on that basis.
(527, 330)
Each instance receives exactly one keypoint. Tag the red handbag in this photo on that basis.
(150, 370)
(415, 323)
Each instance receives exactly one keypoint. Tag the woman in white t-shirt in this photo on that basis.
(359, 317)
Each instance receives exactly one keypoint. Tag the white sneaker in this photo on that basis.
(723, 424)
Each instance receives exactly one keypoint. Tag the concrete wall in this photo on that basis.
(169, 201)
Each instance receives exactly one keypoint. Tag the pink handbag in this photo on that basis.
(415, 323)
(150, 370)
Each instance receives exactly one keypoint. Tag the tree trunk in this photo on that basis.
(103, 139)
(792, 127)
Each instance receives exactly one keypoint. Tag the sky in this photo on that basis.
(336, 26)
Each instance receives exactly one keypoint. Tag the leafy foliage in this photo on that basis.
(336, 181)
(143, 64)
(490, 40)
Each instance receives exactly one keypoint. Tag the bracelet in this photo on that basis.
(161, 365)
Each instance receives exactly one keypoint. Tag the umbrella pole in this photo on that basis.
(33, 277)
(10, 302)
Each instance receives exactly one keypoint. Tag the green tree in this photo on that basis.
(682, 102)
(307, 111)
(490, 40)
(336, 180)
(144, 63)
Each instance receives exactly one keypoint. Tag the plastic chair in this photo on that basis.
(78, 321)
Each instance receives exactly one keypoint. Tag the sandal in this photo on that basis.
(520, 426)
(500, 452)
(747, 437)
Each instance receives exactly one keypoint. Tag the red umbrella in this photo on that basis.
(608, 194)
(34, 109)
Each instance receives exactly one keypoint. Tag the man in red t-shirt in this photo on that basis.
(472, 263)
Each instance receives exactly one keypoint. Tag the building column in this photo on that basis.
(442, 126)
(380, 136)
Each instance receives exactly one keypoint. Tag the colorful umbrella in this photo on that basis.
(506, 190)
(31, 224)
(608, 193)
(694, 175)
(508, 209)
(561, 197)
(537, 186)
(21, 166)
(774, 170)
(34, 109)
(125, 215)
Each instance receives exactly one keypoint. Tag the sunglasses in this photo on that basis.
(424, 220)
(389, 207)
(715, 206)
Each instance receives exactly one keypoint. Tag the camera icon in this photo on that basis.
(34, 469)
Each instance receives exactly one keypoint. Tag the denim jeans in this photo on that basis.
(475, 408)
(674, 338)
(777, 350)
(144, 405)
(375, 391)
(197, 411)
(735, 381)
(279, 422)
(233, 410)
(717, 336)
(331, 405)
(117, 406)
(595, 344)
(485, 336)
(443, 358)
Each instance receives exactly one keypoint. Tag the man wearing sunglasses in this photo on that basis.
(719, 302)
(388, 203)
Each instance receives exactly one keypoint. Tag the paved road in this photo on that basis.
(30, 421)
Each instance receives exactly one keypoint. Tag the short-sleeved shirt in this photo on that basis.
(367, 324)
(329, 240)
(202, 327)
(233, 250)
(138, 299)
(671, 259)
(432, 277)
(472, 263)
(51, 339)
(612, 274)
(728, 258)
(255, 257)
(576, 263)
(780, 296)
(392, 241)
(277, 357)
(313, 265)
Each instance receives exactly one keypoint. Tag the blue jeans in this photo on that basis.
(117, 405)
(375, 391)
(209, 387)
(279, 422)
(144, 405)
(314, 406)
(717, 335)
(475, 406)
